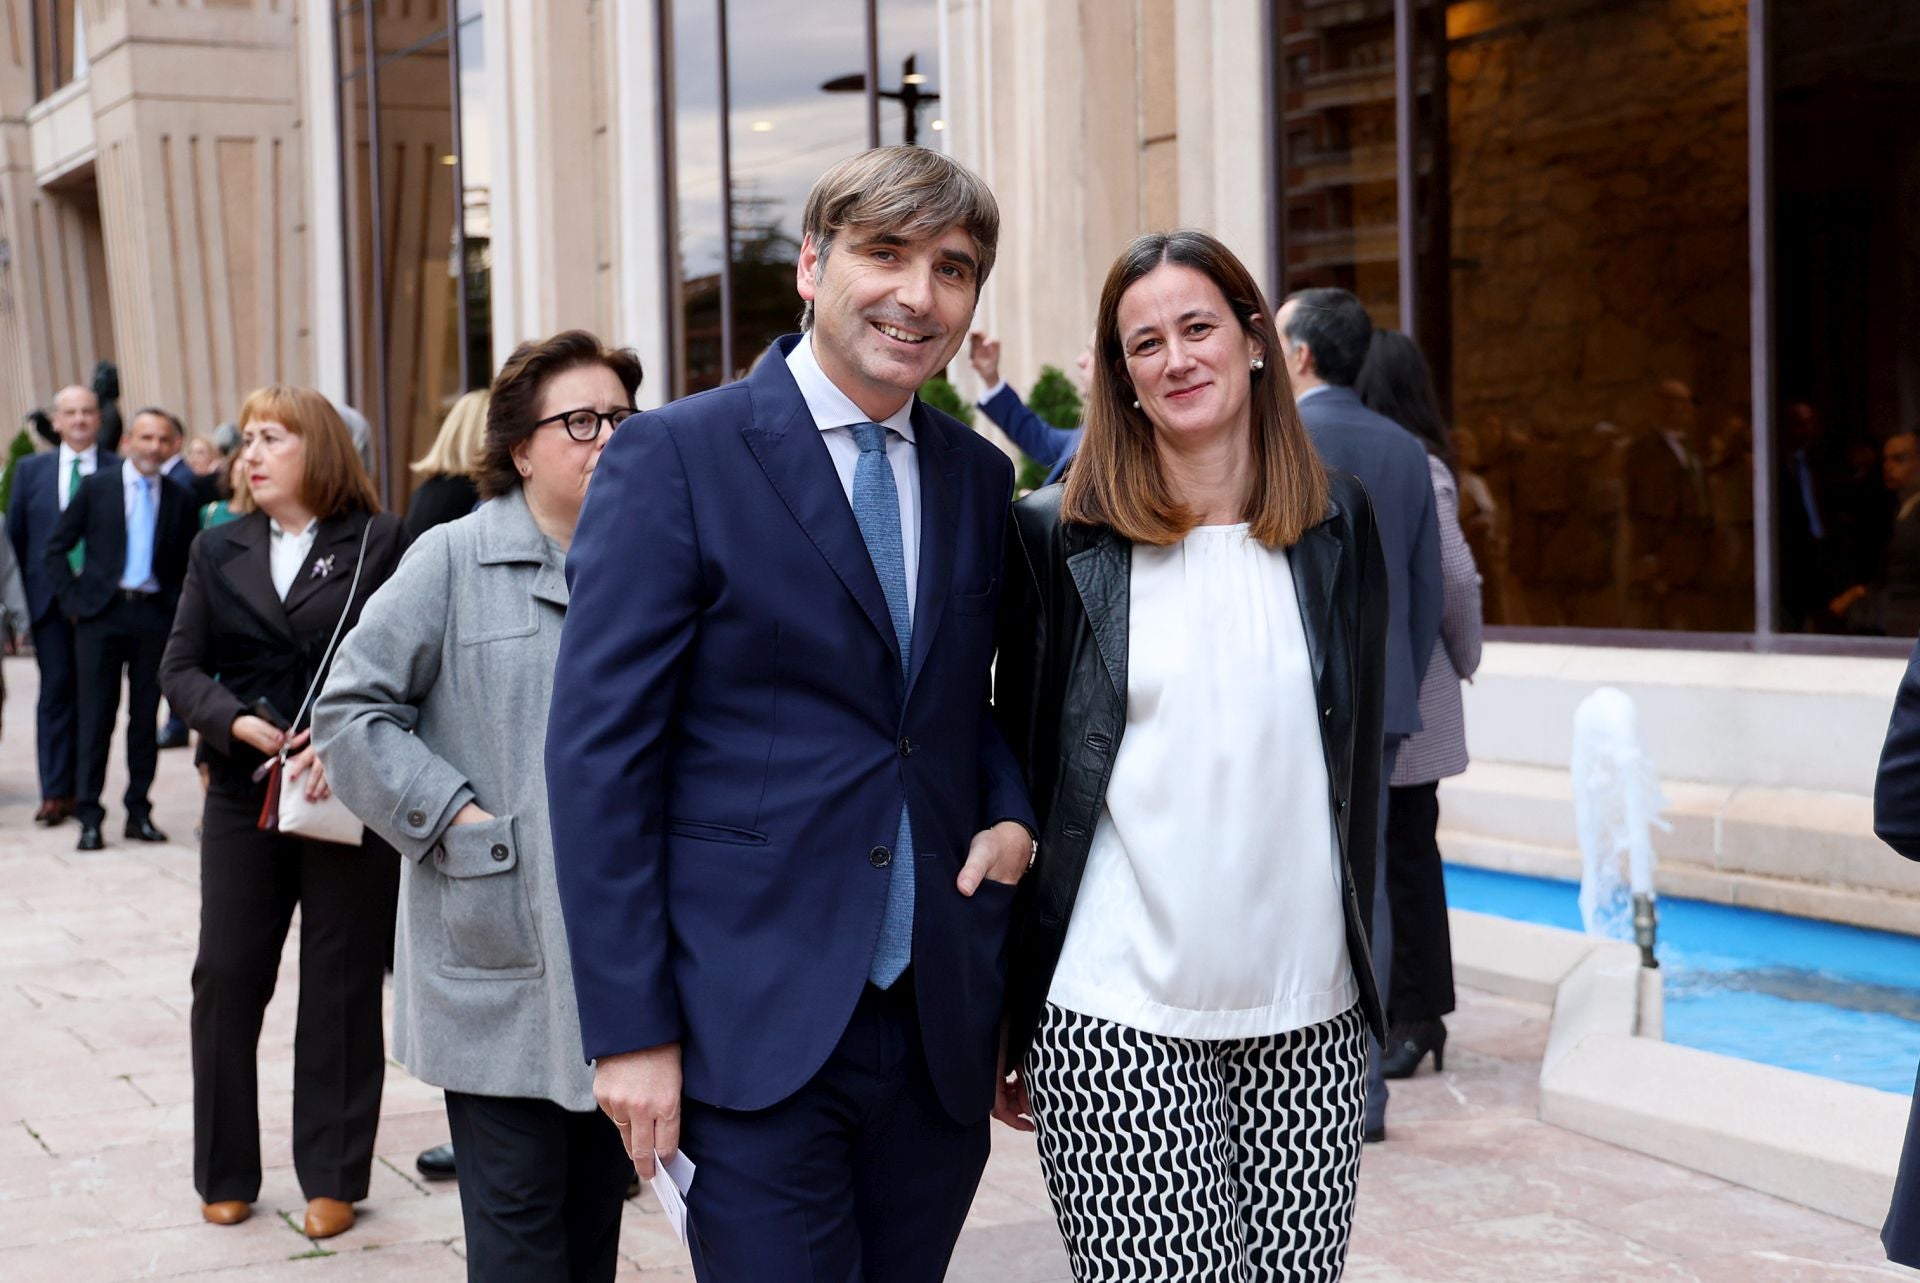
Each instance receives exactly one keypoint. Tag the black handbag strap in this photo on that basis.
(320, 673)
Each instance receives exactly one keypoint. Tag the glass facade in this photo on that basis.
(760, 108)
(415, 190)
(1571, 235)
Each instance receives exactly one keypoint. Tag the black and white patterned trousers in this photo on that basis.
(1200, 1161)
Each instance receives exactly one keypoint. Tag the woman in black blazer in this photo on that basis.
(262, 598)
(1191, 670)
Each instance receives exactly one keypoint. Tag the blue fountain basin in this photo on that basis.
(1841, 1002)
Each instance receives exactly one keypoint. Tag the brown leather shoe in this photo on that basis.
(53, 811)
(327, 1217)
(229, 1211)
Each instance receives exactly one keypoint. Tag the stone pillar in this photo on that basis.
(201, 175)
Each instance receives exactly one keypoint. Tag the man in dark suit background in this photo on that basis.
(786, 832)
(136, 529)
(205, 490)
(1324, 335)
(1036, 438)
(43, 486)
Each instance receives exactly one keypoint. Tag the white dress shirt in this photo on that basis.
(130, 481)
(1211, 904)
(834, 413)
(287, 554)
(89, 460)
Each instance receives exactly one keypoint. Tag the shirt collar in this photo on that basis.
(280, 532)
(830, 407)
(131, 475)
(67, 454)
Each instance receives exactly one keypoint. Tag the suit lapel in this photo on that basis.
(108, 538)
(1315, 561)
(335, 546)
(784, 439)
(1103, 575)
(249, 574)
(938, 506)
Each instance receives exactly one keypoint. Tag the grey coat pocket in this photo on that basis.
(483, 902)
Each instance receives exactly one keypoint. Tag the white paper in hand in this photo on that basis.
(671, 1180)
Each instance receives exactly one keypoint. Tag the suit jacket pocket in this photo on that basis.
(975, 603)
(483, 903)
(702, 831)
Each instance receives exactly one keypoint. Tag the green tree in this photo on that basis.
(939, 393)
(22, 447)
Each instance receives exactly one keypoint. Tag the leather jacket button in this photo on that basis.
(416, 819)
(879, 857)
(499, 851)
(1339, 803)
(907, 746)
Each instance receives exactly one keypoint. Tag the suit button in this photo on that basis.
(907, 746)
(1339, 803)
(499, 851)
(416, 819)
(879, 857)
(1326, 712)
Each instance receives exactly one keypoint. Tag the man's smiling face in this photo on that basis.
(889, 313)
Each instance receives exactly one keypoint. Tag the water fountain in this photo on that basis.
(1616, 805)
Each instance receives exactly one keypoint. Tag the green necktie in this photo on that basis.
(78, 557)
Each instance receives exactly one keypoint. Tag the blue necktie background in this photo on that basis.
(140, 536)
(876, 507)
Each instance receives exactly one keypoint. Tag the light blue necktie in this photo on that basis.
(140, 537)
(876, 506)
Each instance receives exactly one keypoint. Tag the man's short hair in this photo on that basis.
(1336, 329)
(910, 191)
(179, 430)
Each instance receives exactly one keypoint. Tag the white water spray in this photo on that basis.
(1616, 805)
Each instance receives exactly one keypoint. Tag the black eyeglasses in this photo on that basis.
(584, 424)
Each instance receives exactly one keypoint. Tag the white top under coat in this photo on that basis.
(1211, 904)
(834, 413)
(287, 554)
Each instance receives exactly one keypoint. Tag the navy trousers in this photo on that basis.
(1382, 943)
(858, 1177)
(57, 713)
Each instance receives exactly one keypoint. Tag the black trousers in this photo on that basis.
(541, 1189)
(1417, 893)
(58, 704)
(249, 884)
(127, 637)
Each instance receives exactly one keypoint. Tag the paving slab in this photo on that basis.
(96, 1124)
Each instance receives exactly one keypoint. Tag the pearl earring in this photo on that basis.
(1136, 405)
(1259, 363)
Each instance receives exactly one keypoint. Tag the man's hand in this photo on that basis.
(1001, 853)
(983, 354)
(640, 1092)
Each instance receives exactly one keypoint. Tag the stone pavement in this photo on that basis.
(96, 1124)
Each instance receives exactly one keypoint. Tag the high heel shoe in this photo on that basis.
(1408, 1044)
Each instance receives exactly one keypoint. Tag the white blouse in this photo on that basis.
(1211, 905)
(287, 554)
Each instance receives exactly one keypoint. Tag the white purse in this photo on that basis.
(328, 820)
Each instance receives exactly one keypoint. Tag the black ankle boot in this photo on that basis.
(1408, 1044)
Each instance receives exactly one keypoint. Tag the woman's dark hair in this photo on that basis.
(514, 401)
(1117, 479)
(1396, 382)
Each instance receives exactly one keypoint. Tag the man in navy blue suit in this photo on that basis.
(1036, 438)
(1324, 335)
(787, 837)
(43, 486)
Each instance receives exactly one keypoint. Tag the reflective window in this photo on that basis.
(59, 45)
(1599, 296)
(1846, 263)
(762, 106)
(418, 220)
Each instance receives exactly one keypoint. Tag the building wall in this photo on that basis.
(1095, 121)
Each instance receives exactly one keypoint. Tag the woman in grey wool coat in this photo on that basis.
(432, 728)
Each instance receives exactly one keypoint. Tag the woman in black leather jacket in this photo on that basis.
(1191, 669)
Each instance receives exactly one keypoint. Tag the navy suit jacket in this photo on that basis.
(1896, 818)
(732, 736)
(33, 511)
(1037, 438)
(1392, 465)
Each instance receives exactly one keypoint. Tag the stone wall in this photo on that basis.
(1598, 168)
